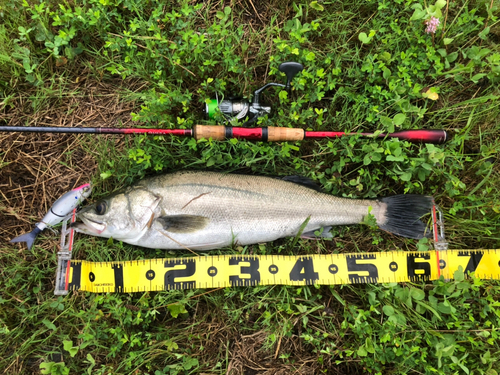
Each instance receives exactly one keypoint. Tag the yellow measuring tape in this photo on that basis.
(251, 270)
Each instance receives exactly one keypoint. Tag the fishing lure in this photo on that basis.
(59, 210)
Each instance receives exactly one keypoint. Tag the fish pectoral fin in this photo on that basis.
(182, 223)
(312, 235)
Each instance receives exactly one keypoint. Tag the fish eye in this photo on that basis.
(100, 208)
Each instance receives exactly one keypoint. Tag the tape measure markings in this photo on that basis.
(252, 270)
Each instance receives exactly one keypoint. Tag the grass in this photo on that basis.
(369, 65)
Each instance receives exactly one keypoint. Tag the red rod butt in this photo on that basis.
(416, 136)
(423, 136)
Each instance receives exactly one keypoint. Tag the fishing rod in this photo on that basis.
(236, 109)
(221, 132)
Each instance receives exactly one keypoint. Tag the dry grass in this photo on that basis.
(38, 168)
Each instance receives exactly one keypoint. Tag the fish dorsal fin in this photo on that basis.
(182, 223)
(304, 181)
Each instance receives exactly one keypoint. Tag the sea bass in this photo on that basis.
(208, 210)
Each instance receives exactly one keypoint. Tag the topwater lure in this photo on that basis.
(59, 210)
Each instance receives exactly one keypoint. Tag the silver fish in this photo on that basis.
(207, 210)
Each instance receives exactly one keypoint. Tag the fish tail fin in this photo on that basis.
(403, 213)
(29, 238)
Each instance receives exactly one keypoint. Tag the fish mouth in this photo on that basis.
(88, 226)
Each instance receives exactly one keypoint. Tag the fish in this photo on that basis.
(209, 210)
(61, 208)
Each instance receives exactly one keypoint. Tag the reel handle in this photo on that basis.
(291, 69)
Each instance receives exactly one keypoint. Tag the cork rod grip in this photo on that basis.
(216, 132)
(276, 134)
(270, 134)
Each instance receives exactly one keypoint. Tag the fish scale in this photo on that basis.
(207, 210)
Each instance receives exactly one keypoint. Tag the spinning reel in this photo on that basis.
(235, 109)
